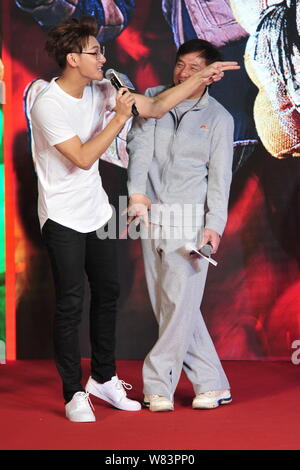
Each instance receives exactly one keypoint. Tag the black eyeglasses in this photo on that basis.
(97, 54)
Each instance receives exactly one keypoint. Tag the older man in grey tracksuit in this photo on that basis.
(181, 166)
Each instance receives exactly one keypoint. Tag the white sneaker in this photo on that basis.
(212, 399)
(79, 409)
(158, 403)
(113, 392)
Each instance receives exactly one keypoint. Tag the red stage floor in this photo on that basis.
(265, 413)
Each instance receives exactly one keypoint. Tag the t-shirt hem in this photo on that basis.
(76, 227)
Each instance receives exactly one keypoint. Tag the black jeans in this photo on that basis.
(72, 254)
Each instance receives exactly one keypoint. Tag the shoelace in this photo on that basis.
(121, 384)
(86, 396)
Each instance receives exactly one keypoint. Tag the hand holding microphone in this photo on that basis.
(209, 246)
(119, 81)
(206, 250)
(203, 252)
(124, 103)
(212, 239)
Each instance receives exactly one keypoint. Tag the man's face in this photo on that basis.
(91, 60)
(186, 66)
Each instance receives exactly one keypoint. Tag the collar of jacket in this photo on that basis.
(202, 102)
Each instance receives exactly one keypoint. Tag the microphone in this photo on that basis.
(205, 252)
(119, 80)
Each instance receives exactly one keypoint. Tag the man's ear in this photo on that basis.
(72, 59)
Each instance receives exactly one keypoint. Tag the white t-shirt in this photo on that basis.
(69, 195)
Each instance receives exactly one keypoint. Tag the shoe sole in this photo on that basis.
(146, 404)
(81, 421)
(88, 420)
(158, 409)
(222, 401)
(90, 389)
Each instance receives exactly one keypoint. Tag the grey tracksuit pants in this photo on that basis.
(176, 283)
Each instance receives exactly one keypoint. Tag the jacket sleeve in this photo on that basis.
(140, 148)
(219, 174)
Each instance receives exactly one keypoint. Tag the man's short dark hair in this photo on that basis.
(208, 51)
(70, 36)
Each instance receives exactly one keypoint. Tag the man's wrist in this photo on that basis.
(137, 196)
(120, 119)
(213, 230)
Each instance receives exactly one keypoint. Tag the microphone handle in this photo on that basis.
(134, 110)
(117, 86)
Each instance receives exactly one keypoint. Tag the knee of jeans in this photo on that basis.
(69, 306)
(108, 291)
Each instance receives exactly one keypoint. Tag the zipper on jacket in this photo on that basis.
(177, 123)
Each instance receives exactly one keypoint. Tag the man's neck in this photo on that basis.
(72, 85)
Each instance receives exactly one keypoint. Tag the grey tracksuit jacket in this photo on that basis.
(184, 161)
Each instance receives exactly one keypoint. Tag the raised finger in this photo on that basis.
(229, 67)
(225, 62)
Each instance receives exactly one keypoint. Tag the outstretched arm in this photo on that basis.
(157, 106)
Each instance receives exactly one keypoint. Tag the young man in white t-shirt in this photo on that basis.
(69, 138)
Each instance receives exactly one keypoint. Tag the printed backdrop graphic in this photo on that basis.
(250, 304)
